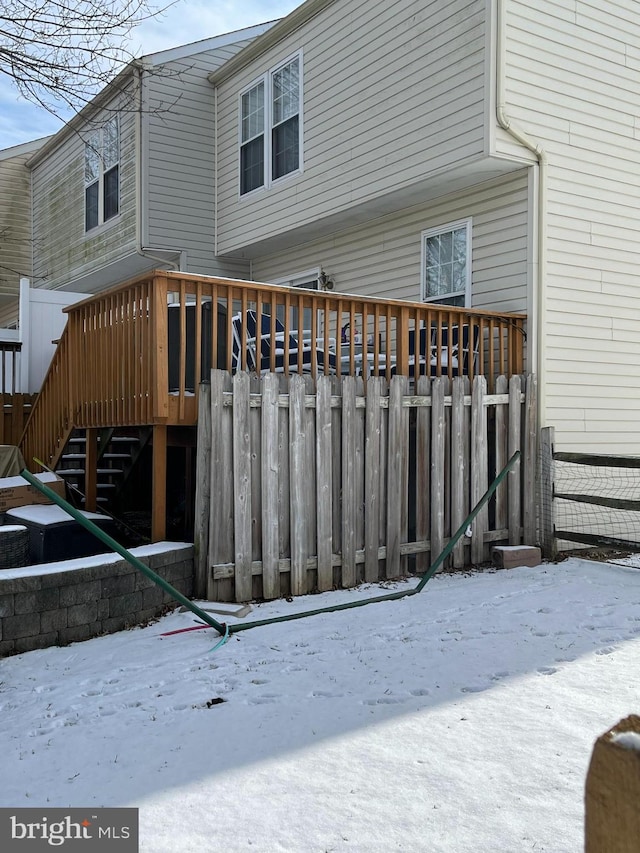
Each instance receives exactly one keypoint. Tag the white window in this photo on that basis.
(271, 126)
(102, 175)
(446, 264)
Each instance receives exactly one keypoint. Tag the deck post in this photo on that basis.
(159, 484)
(91, 470)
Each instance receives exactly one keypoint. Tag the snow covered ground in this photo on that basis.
(460, 720)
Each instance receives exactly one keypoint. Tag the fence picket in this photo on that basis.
(372, 479)
(437, 467)
(423, 472)
(298, 491)
(395, 475)
(242, 487)
(479, 466)
(203, 492)
(323, 483)
(349, 493)
(458, 467)
(221, 519)
(501, 437)
(515, 421)
(270, 467)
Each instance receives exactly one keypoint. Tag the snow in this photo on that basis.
(460, 720)
(86, 562)
(628, 740)
(18, 482)
(49, 514)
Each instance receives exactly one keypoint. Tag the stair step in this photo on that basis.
(116, 456)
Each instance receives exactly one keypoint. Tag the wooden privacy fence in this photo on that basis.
(304, 487)
(16, 409)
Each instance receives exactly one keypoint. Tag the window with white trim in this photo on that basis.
(446, 264)
(102, 175)
(271, 126)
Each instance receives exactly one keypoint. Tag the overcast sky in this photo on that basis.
(186, 21)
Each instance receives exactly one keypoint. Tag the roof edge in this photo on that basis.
(293, 21)
(23, 148)
(148, 60)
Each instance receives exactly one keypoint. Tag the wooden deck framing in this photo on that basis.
(135, 355)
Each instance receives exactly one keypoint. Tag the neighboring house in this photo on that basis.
(15, 226)
(481, 153)
(128, 184)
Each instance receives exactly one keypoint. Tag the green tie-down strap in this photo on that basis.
(119, 549)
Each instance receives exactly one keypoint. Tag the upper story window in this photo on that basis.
(102, 175)
(271, 127)
(446, 264)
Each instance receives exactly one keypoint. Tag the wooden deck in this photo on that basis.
(135, 355)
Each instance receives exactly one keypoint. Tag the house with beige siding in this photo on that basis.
(128, 184)
(15, 224)
(474, 153)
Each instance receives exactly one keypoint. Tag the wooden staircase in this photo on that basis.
(118, 452)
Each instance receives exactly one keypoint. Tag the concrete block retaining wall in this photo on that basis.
(53, 605)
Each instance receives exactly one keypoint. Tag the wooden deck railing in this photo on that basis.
(135, 355)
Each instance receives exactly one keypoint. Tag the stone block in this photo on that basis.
(126, 605)
(78, 632)
(82, 614)
(36, 602)
(512, 556)
(117, 623)
(118, 585)
(152, 597)
(85, 592)
(53, 620)
(25, 625)
(42, 641)
(26, 584)
(7, 647)
(103, 608)
(6, 605)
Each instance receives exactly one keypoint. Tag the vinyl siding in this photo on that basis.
(15, 219)
(64, 250)
(573, 86)
(393, 93)
(180, 175)
(382, 258)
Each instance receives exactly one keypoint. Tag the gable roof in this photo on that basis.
(149, 60)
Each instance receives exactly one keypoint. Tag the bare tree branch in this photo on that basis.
(59, 53)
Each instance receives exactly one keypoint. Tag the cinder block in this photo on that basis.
(512, 556)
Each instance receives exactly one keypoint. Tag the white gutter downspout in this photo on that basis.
(148, 251)
(505, 122)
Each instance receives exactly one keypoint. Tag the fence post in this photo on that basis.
(612, 817)
(529, 463)
(547, 526)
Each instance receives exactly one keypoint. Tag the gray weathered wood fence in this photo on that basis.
(304, 487)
